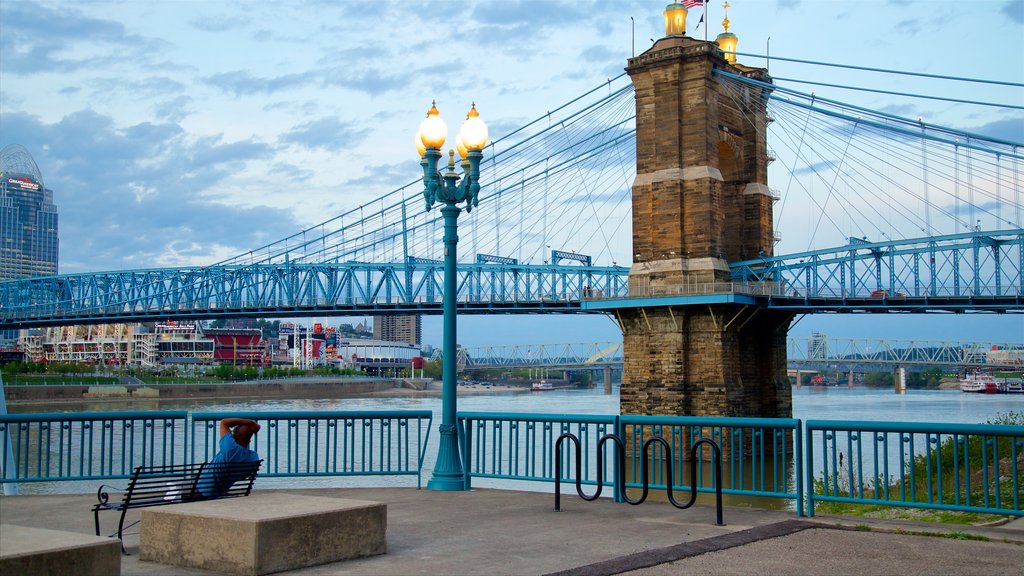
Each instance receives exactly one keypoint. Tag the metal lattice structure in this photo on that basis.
(814, 350)
(298, 289)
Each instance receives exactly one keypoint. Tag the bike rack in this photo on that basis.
(621, 471)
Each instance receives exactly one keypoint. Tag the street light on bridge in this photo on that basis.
(450, 189)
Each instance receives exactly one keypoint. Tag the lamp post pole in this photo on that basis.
(449, 190)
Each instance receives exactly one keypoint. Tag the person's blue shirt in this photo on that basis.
(216, 478)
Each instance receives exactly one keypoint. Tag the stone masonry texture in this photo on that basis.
(700, 201)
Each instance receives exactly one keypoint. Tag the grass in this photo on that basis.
(949, 459)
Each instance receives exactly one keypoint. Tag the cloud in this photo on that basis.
(909, 27)
(327, 133)
(905, 110)
(220, 23)
(787, 4)
(244, 83)
(144, 195)
(36, 39)
(524, 21)
(1014, 9)
(815, 168)
(1011, 129)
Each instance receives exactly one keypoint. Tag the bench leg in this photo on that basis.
(120, 532)
(96, 519)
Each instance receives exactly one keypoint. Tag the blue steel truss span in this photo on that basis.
(974, 271)
(969, 272)
(287, 290)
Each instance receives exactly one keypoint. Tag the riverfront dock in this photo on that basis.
(487, 531)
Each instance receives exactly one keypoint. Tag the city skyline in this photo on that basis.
(215, 128)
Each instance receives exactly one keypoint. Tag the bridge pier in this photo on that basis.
(693, 343)
(681, 361)
(899, 379)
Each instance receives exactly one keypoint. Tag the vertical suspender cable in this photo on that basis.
(497, 221)
(1016, 191)
(974, 224)
(924, 171)
(544, 238)
(999, 192)
(956, 186)
(522, 215)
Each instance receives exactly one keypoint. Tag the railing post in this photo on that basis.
(620, 464)
(809, 485)
(10, 488)
(466, 442)
(798, 453)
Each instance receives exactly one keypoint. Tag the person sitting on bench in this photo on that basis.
(227, 466)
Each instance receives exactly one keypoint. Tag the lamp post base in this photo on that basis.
(448, 468)
(446, 482)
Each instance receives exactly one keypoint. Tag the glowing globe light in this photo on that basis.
(433, 130)
(419, 144)
(474, 131)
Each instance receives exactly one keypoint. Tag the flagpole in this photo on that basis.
(706, 21)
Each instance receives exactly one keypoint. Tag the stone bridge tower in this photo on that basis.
(692, 345)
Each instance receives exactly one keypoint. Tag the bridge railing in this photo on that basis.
(761, 456)
(521, 446)
(332, 443)
(823, 463)
(109, 445)
(89, 445)
(963, 467)
(693, 289)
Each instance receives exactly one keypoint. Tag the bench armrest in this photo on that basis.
(101, 494)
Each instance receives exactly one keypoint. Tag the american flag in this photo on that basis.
(692, 3)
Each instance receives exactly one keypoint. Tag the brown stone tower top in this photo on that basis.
(700, 198)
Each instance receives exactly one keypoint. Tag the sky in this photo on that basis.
(182, 132)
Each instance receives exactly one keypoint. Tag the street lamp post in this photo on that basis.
(450, 189)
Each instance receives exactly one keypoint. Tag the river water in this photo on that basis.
(809, 403)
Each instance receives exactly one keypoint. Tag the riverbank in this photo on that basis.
(295, 389)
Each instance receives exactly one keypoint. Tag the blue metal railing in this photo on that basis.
(109, 445)
(350, 443)
(760, 456)
(90, 445)
(964, 467)
(517, 446)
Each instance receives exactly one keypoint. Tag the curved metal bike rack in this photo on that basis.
(645, 466)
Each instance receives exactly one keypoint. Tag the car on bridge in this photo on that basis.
(885, 294)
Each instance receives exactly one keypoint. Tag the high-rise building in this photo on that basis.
(398, 329)
(28, 218)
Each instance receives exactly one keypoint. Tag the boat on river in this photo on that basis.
(980, 383)
(541, 386)
(1012, 387)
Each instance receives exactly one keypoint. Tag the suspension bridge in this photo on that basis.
(881, 214)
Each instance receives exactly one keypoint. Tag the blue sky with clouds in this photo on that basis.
(182, 132)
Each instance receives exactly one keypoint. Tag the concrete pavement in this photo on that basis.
(494, 532)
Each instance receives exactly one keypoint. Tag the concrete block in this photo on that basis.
(262, 533)
(25, 550)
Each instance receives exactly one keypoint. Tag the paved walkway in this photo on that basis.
(494, 532)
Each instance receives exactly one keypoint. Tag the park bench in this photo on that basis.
(171, 484)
